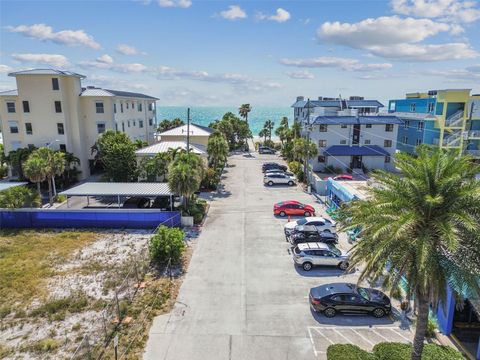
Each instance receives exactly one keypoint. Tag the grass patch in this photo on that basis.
(58, 308)
(27, 259)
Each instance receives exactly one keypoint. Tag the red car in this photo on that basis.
(341, 177)
(293, 208)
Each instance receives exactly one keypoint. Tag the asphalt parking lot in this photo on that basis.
(242, 297)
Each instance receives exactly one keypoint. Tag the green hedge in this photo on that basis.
(391, 350)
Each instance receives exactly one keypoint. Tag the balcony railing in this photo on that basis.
(452, 140)
(455, 120)
(474, 134)
(474, 153)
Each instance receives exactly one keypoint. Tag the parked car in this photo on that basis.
(274, 171)
(348, 298)
(320, 223)
(308, 255)
(272, 165)
(293, 208)
(266, 150)
(271, 179)
(161, 202)
(341, 177)
(310, 233)
(136, 203)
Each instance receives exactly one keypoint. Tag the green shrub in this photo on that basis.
(437, 352)
(45, 345)
(431, 326)
(347, 352)
(56, 309)
(330, 169)
(295, 167)
(167, 244)
(269, 143)
(211, 179)
(60, 198)
(401, 351)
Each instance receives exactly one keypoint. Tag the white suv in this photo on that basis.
(308, 255)
(278, 178)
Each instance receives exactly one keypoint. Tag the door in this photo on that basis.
(297, 209)
(356, 134)
(356, 304)
(330, 258)
(357, 162)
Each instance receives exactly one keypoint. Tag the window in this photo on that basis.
(150, 107)
(134, 123)
(63, 147)
(413, 107)
(367, 142)
(100, 128)
(123, 126)
(127, 104)
(26, 106)
(323, 128)
(139, 106)
(58, 106)
(420, 126)
(418, 142)
(121, 107)
(388, 127)
(406, 124)
(28, 128)
(60, 129)
(140, 123)
(392, 106)
(343, 126)
(128, 123)
(114, 108)
(343, 142)
(55, 85)
(31, 146)
(150, 122)
(322, 143)
(431, 106)
(116, 127)
(13, 125)
(387, 159)
(387, 143)
(15, 146)
(368, 126)
(11, 107)
(405, 140)
(99, 107)
(133, 105)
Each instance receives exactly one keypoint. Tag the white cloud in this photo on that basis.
(121, 68)
(107, 59)
(463, 11)
(125, 49)
(468, 74)
(5, 69)
(114, 83)
(175, 3)
(234, 12)
(281, 15)
(335, 62)
(46, 59)
(416, 52)
(300, 75)
(65, 37)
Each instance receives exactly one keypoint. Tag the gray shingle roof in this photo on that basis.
(336, 103)
(131, 94)
(46, 72)
(351, 120)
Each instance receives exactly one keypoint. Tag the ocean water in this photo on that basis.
(204, 115)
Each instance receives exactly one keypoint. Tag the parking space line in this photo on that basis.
(363, 337)
(396, 332)
(339, 333)
(383, 337)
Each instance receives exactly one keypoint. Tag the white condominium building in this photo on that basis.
(50, 108)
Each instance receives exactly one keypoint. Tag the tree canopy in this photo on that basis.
(235, 130)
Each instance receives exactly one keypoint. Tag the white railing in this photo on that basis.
(475, 153)
(452, 140)
(474, 134)
(455, 119)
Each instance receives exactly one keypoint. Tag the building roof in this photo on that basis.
(164, 146)
(349, 120)
(5, 185)
(95, 91)
(46, 72)
(119, 189)
(9, 93)
(346, 150)
(195, 130)
(413, 116)
(337, 103)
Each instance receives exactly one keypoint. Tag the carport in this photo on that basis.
(119, 190)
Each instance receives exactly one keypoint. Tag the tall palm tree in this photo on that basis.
(58, 167)
(268, 127)
(34, 169)
(243, 111)
(217, 149)
(185, 175)
(282, 130)
(263, 133)
(423, 226)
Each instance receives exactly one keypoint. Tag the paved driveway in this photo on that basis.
(242, 298)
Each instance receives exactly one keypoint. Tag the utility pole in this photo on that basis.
(188, 131)
(307, 167)
(467, 142)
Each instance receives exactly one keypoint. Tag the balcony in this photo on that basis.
(474, 153)
(452, 140)
(455, 120)
(474, 134)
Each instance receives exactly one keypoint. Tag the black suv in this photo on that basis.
(310, 233)
(266, 150)
(269, 166)
(349, 298)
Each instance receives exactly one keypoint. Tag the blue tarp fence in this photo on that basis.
(98, 218)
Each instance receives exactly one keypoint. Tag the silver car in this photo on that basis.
(278, 178)
(308, 255)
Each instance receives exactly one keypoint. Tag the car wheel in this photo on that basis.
(307, 213)
(290, 183)
(307, 266)
(329, 312)
(270, 183)
(343, 265)
(282, 213)
(378, 313)
(327, 230)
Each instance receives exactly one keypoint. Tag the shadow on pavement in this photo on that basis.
(351, 320)
(320, 271)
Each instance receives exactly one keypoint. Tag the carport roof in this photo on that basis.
(119, 189)
(10, 184)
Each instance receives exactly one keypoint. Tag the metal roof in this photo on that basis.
(131, 94)
(4, 185)
(337, 103)
(195, 130)
(164, 146)
(46, 72)
(119, 189)
(9, 93)
(346, 150)
(95, 91)
(413, 116)
(339, 120)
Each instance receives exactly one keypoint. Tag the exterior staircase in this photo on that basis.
(455, 120)
(452, 140)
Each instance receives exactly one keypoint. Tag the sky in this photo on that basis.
(224, 53)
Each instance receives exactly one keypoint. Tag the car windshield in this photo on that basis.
(302, 221)
(364, 293)
(334, 250)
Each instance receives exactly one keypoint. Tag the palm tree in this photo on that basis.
(282, 130)
(304, 150)
(424, 227)
(268, 127)
(243, 111)
(185, 175)
(263, 133)
(54, 165)
(34, 168)
(217, 149)
(58, 167)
